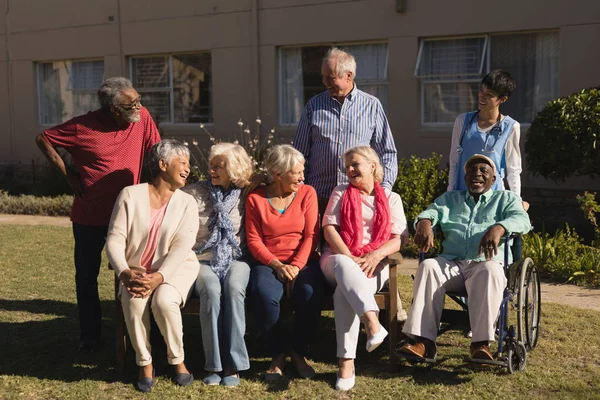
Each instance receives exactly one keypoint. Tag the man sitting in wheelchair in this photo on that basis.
(473, 223)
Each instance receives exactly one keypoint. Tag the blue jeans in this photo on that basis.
(223, 317)
(267, 292)
(89, 242)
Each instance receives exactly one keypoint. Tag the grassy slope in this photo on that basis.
(38, 333)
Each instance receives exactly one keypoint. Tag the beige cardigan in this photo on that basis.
(128, 235)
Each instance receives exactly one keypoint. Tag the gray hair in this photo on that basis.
(280, 159)
(238, 164)
(111, 89)
(166, 149)
(345, 62)
(370, 156)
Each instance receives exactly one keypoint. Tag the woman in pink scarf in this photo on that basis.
(362, 225)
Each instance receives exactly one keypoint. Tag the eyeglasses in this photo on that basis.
(130, 106)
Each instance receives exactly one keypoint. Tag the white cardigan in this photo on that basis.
(128, 235)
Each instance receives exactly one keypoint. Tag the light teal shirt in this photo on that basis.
(464, 222)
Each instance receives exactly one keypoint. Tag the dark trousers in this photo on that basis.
(89, 242)
(267, 292)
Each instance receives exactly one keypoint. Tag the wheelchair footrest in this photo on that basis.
(416, 359)
(497, 363)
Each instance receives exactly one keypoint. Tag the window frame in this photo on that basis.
(38, 66)
(487, 61)
(371, 82)
(170, 89)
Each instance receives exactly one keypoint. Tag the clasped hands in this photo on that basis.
(368, 262)
(287, 274)
(140, 284)
(488, 245)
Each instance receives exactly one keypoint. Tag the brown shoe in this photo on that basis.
(481, 351)
(423, 348)
(417, 349)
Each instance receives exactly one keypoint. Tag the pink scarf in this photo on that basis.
(351, 222)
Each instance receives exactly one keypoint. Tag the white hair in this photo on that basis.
(345, 62)
(280, 159)
(165, 150)
(238, 164)
(111, 89)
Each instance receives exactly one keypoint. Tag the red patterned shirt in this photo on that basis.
(107, 159)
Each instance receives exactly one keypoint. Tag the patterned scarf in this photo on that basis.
(351, 222)
(222, 240)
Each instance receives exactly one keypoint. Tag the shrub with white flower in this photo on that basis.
(255, 144)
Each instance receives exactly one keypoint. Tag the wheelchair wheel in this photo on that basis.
(517, 357)
(528, 304)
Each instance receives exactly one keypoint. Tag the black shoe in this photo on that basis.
(90, 345)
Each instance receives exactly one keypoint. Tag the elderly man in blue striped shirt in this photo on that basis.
(338, 119)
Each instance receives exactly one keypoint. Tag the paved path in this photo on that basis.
(572, 295)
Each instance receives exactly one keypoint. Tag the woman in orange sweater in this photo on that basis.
(282, 232)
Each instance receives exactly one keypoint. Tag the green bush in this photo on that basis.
(419, 182)
(563, 257)
(33, 205)
(563, 138)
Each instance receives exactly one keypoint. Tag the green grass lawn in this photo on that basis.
(39, 339)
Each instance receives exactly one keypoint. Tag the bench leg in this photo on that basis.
(393, 313)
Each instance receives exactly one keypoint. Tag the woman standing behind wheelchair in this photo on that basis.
(223, 276)
(150, 238)
(488, 132)
(362, 225)
(282, 232)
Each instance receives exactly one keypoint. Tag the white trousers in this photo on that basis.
(166, 303)
(353, 297)
(483, 281)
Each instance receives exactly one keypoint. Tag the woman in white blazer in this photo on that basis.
(151, 234)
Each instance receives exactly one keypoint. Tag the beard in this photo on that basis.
(131, 116)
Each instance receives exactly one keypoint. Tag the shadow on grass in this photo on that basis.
(44, 343)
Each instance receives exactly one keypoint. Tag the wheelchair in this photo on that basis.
(523, 294)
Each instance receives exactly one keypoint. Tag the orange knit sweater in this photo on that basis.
(290, 237)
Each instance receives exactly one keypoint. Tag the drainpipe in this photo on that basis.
(256, 50)
(121, 57)
(9, 81)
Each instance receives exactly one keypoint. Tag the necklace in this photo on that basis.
(281, 210)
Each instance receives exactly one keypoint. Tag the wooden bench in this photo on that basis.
(386, 300)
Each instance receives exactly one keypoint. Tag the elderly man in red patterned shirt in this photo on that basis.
(107, 147)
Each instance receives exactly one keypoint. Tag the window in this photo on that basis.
(175, 88)
(67, 89)
(300, 69)
(451, 71)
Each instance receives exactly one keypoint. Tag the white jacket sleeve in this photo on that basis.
(116, 240)
(459, 122)
(513, 160)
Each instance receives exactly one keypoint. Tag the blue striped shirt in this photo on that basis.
(328, 128)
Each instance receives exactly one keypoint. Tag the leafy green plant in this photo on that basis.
(419, 182)
(563, 138)
(563, 257)
(587, 203)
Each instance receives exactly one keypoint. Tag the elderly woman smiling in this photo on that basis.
(150, 238)
(223, 277)
(282, 232)
(362, 225)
